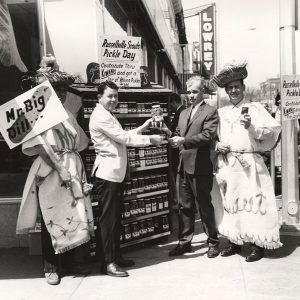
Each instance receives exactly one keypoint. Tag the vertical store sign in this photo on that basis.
(120, 60)
(290, 97)
(207, 41)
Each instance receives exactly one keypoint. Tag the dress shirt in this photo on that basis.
(194, 109)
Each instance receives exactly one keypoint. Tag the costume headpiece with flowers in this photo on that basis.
(48, 71)
(229, 73)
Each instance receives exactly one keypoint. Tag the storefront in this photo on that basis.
(71, 30)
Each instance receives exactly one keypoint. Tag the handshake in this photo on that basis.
(175, 141)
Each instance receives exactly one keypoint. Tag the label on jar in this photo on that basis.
(141, 152)
(134, 208)
(166, 202)
(141, 205)
(135, 230)
(154, 207)
(165, 223)
(148, 206)
(160, 203)
(127, 233)
(150, 226)
(126, 210)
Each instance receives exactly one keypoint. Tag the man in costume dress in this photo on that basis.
(245, 130)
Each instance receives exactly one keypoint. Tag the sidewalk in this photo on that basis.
(158, 276)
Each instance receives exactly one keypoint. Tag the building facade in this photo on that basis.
(71, 31)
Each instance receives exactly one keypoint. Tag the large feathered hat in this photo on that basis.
(48, 71)
(230, 72)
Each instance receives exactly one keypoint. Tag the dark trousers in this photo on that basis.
(196, 188)
(51, 261)
(110, 199)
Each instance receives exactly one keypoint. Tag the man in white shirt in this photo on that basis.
(110, 142)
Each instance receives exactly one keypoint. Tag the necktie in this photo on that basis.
(192, 108)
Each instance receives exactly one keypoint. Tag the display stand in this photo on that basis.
(145, 213)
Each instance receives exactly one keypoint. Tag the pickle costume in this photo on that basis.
(250, 211)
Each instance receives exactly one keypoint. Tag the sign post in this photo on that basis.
(290, 172)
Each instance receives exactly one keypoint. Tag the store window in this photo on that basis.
(116, 21)
(21, 55)
(151, 64)
(159, 73)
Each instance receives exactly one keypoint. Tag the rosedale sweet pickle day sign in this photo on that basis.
(30, 114)
(290, 97)
(120, 60)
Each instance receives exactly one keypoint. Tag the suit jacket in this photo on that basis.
(174, 122)
(110, 141)
(199, 133)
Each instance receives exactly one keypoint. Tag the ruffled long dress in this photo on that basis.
(250, 212)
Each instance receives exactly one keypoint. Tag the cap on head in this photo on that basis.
(229, 73)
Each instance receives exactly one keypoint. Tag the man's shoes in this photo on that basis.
(180, 249)
(256, 254)
(52, 278)
(213, 251)
(124, 263)
(112, 269)
(231, 249)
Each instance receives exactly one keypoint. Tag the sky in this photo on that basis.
(247, 30)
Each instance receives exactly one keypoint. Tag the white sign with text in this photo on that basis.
(290, 97)
(30, 114)
(120, 60)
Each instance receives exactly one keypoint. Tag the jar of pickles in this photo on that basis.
(135, 230)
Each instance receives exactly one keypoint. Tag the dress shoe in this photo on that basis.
(180, 249)
(52, 278)
(255, 254)
(213, 251)
(112, 269)
(124, 263)
(231, 249)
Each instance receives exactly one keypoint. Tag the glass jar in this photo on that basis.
(141, 185)
(143, 228)
(135, 230)
(134, 209)
(153, 205)
(150, 226)
(164, 223)
(166, 202)
(147, 184)
(142, 152)
(127, 233)
(148, 206)
(127, 210)
(142, 207)
(134, 187)
(160, 203)
(156, 223)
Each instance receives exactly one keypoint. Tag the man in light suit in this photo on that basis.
(110, 142)
(197, 125)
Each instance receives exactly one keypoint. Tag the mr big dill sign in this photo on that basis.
(120, 59)
(30, 114)
(207, 41)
